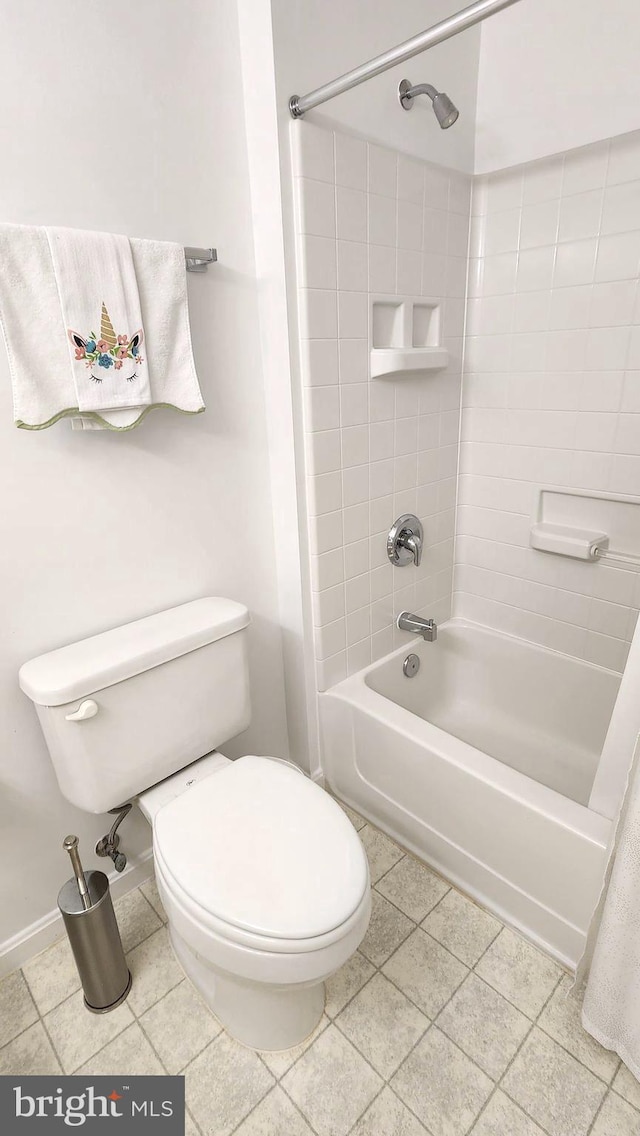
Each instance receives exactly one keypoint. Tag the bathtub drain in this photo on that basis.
(411, 665)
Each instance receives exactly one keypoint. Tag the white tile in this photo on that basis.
(322, 408)
(553, 1088)
(612, 303)
(324, 493)
(324, 449)
(365, 1021)
(319, 359)
(433, 274)
(383, 170)
(502, 231)
(355, 485)
(410, 180)
(575, 263)
(381, 440)
(325, 532)
(279, 1061)
(358, 656)
(457, 1088)
(355, 445)
(240, 1078)
(621, 209)
(539, 225)
(409, 272)
(381, 478)
(356, 558)
(332, 1084)
(606, 348)
(353, 361)
(382, 220)
(331, 671)
(535, 269)
(316, 207)
(382, 268)
(328, 605)
(330, 639)
(318, 314)
(354, 404)
(17, 1008)
(358, 627)
(504, 189)
(357, 592)
(409, 226)
(570, 307)
(499, 274)
(353, 315)
(436, 187)
(351, 214)
(352, 266)
(317, 258)
(434, 224)
(618, 256)
(351, 161)
(580, 216)
(484, 1025)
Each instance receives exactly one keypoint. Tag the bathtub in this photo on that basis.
(482, 764)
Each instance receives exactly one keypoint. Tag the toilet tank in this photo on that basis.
(122, 710)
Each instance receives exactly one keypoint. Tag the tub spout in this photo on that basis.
(427, 628)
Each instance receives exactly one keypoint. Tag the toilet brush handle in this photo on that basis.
(70, 844)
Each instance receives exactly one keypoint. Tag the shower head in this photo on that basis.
(444, 110)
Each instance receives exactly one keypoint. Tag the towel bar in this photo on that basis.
(198, 259)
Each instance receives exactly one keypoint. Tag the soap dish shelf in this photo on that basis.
(396, 360)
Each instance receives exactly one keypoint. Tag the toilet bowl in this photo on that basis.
(263, 877)
(266, 887)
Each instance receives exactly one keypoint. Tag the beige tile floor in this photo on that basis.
(443, 1023)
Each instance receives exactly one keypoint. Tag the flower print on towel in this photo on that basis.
(108, 350)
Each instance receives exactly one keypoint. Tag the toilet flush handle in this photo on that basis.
(86, 709)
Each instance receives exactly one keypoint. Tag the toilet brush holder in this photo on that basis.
(87, 911)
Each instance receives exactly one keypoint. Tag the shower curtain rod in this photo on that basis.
(300, 104)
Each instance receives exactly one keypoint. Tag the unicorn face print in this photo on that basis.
(108, 355)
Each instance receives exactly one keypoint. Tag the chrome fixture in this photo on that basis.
(411, 666)
(198, 260)
(444, 110)
(445, 29)
(428, 628)
(404, 541)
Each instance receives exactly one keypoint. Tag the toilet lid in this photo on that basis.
(263, 848)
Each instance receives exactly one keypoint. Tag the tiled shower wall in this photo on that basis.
(371, 221)
(551, 392)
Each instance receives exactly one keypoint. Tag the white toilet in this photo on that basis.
(263, 877)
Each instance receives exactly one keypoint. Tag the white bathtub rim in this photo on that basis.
(480, 765)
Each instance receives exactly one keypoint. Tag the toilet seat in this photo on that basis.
(263, 857)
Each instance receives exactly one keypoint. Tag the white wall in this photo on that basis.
(316, 42)
(551, 393)
(554, 76)
(119, 117)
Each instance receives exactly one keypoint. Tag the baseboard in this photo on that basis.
(33, 939)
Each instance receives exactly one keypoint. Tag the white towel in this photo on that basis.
(37, 342)
(101, 311)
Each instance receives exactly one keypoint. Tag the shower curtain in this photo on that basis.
(609, 972)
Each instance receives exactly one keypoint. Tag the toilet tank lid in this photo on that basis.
(82, 668)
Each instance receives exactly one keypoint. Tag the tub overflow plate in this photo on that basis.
(411, 665)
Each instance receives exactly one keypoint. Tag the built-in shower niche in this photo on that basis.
(405, 336)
